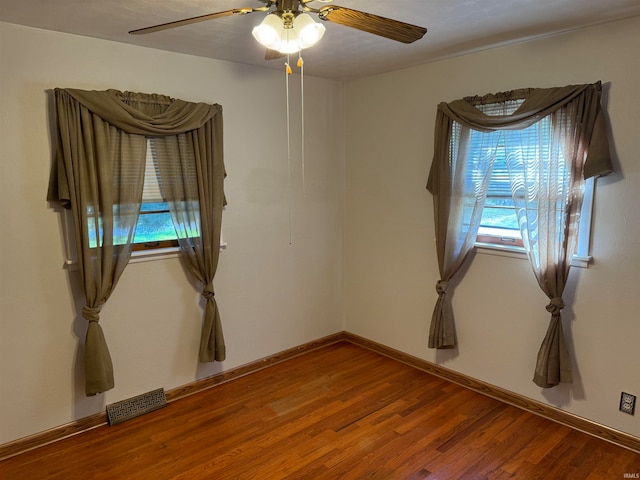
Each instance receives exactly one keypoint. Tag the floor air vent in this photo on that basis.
(135, 406)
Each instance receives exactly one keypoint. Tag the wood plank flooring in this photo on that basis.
(340, 412)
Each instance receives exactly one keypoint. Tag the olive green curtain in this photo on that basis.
(458, 204)
(102, 137)
(192, 176)
(579, 127)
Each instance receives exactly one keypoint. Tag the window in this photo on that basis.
(155, 234)
(154, 228)
(512, 152)
(499, 223)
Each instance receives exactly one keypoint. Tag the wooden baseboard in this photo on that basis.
(228, 375)
(100, 419)
(603, 432)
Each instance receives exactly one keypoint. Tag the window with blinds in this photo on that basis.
(499, 223)
(154, 228)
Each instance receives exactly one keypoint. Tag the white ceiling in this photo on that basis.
(454, 27)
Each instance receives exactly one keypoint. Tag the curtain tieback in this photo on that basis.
(555, 306)
(208, 293)
(441, 287)
(92, 314)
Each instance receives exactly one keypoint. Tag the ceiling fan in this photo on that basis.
(288, 16)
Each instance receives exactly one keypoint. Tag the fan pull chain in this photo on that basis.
(301, 67)
(287, 73)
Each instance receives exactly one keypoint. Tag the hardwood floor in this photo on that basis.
(340, 412)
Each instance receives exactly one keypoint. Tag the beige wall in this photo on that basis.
(390, 264)
(272, 295)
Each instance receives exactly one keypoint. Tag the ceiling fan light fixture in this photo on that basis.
(289, 41)
(288, 36)
(309, 32)
(268, 33)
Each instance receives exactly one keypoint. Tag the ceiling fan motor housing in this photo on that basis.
(287, 6)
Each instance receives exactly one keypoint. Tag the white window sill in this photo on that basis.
(519, 252)
(145, 256)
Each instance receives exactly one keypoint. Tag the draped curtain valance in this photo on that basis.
(145, 114)
(538, 103)
(98, 173)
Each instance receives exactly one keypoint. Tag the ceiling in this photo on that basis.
(455, 27)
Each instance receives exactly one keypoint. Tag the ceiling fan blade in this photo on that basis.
(200, 18)
(271, 54)
(368, 22)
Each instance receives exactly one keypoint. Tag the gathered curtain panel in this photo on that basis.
(98, 172)
(547, 192)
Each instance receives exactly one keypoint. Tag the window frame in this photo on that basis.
(581, 258)
(137, 255)
(152, 188)
(140, 251)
